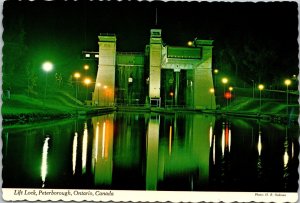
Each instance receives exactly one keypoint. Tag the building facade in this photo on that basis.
(161, 76)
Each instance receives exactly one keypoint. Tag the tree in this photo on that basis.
(14, 56)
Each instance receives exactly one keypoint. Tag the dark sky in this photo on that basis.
(59, 31)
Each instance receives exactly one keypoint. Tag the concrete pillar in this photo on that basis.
(155, 64)
(106, 71)
(203, 79)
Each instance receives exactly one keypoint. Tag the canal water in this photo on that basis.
(135, 151)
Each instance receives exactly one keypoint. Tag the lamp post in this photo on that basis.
(172, 94)
(260, 87)
(129, 91)
(287, 82)
(224, 81)
(98, 86)
(230, 90)
(47, 67)
(216, 71)
(77, 76)
(252, 88)
(212, 91)
(87, 81)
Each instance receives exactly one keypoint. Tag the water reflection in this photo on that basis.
(84, 148)
(74, 153)
(44, 165)
(103, 150)
(154, 152)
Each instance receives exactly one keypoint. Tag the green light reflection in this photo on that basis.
(44, 161)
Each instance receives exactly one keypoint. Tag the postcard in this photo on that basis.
(150, 101)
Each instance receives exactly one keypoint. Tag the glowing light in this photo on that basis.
(98, 84)
(216, 71)
(84, 148)
(87, 81)
(292, 150)
(214, 149)
(74, 154)
(96, 141)
(212, 90)
(190, 43)
(210, 135)
(170, 140)
(96, 55)
(224, 80)
(259, 145)
(230, 88)
(287, 82)
(261, 87)
(229, 139)
(44, 161)
(285, 159)
(77, 75)
(103, 138)
(87, 55)
(223, 141)
(228, 95)
(47, 66)
(86, 67)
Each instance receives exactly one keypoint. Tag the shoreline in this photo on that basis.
(25, 118)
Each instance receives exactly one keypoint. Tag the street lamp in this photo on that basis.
(190, 43)
(76, 76)
(252, 88)
(98, 86)
(129, 89)
(172, 94)
(47, 67)
(224, 81)
(87, 81)
(260, 87)
(86, 67)
(230, 90)
(287, 82)
(216, 71)
(212, 91)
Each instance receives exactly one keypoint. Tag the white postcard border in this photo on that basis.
(14, 194)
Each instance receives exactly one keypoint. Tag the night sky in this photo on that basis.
(59, 31)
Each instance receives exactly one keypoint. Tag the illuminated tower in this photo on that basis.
(104, 93)
(202, 79)
(155, 66)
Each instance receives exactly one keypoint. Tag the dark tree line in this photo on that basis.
(248, 58)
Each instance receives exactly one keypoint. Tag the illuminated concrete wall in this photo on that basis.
(196, 61)
(202, 78)
(104, 92)
(155, 64)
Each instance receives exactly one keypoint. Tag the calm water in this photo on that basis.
(152, 152)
